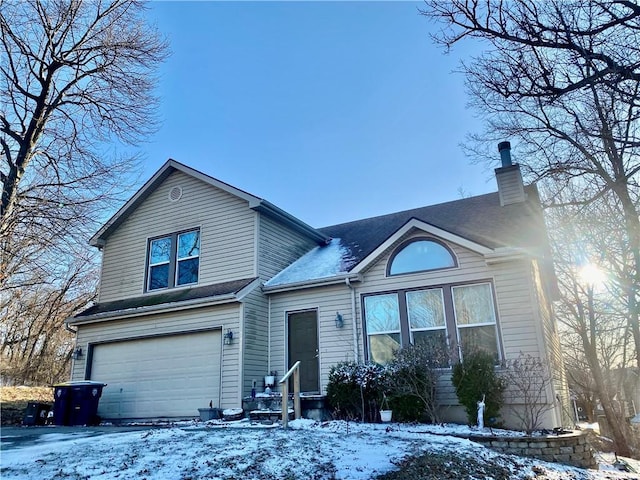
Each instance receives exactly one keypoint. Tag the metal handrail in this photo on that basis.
(295, 371)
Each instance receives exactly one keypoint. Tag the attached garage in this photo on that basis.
(167, 376)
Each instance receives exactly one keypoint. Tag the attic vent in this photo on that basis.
(175, 194)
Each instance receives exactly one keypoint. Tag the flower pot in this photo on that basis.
(232, 414)
(385, 415)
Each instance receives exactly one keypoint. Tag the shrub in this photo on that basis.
(475, 377)
(412, 382)
(529, 380)
(355, 391)
(408, 408)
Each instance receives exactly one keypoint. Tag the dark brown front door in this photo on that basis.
(303, 346)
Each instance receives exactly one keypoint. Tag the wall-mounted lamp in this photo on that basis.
(228, 337)
(77, 353)
(339, 320)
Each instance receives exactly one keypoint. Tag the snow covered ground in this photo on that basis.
(308, 450)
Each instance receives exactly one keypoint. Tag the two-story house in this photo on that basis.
(205, 289)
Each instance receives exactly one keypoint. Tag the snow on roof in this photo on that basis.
(321, 262)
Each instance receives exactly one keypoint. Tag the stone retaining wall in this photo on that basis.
(571, 449)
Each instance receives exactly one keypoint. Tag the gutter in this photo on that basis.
(162, 308)
(317, 282)
(347, 281)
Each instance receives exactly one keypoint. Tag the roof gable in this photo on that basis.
(170, 166)
(425, 227)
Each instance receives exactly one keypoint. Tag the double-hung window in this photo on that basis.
(383, 326)
(427, 322)
(173, 260)
(475, 318)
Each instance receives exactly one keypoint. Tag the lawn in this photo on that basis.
(309, 450)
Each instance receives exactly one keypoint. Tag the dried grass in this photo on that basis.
(13, 401)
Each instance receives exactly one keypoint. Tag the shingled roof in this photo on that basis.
(168, 297)
(480, 219)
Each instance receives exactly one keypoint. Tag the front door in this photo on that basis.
(303, 346)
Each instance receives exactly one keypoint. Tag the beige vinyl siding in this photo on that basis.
(510, 187)
(518, 322)
(335, 344)
(278, 247)
(227, 229)
(554, 350)
(256, 338)
(471, 266)
(193, 320)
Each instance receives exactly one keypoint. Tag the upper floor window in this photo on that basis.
(421, 255)
(173, 260)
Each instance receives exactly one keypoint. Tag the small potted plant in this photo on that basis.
(385, 411)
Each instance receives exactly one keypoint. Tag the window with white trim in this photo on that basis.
(475, 318)
(421, 255)
(173, 260)
(427, 321)
(383, 326)
(449, 318)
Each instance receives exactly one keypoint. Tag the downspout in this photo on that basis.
(353, 319)
(73, 360)
(269, 336)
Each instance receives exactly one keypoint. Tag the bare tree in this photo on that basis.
(563, 77)
(593, 309)
(528, 383)
(76, 82)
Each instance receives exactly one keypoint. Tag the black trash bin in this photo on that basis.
(36, 413)
(78, 403)
(61, 404)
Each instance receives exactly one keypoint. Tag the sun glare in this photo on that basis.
(591, 275)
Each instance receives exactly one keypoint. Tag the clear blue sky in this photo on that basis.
(334, 111)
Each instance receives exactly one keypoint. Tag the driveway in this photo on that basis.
(17, 437)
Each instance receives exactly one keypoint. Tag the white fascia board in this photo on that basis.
(427, 228)
(153, 309)
(318, 282)
(214, 182)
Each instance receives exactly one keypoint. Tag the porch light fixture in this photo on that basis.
(228, 337)
(339, 320)
(77, 353)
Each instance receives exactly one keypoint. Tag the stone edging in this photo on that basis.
(571, 449)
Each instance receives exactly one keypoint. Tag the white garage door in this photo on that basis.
(168, 376)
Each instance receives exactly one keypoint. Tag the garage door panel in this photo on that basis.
(168, 376)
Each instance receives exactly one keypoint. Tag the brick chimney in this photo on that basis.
(509, 178)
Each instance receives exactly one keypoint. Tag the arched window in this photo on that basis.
(421, 255)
